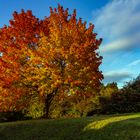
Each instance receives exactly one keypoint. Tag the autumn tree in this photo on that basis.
(57, 55)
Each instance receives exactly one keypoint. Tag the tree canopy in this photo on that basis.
(56, 55)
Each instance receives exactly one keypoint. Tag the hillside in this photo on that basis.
(116, 127)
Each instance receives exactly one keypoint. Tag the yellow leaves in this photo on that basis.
(43, 39)
(71, 91)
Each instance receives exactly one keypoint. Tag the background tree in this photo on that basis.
(105, 97)
(57, 55)
(133, 87)
(128, 99)
(122, 100)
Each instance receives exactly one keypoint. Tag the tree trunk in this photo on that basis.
(48, 101)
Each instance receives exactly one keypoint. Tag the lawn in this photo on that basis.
(107, 127)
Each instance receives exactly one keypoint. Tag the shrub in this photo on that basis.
(11, 116)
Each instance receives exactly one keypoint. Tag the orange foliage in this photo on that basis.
(54, 55)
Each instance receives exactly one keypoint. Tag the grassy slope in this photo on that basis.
(121, 127)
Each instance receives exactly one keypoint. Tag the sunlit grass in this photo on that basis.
(102, 123)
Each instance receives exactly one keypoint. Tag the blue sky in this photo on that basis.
(116, 21)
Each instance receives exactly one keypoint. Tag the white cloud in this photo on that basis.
(118, 24)
(117, 76)
(121, 44)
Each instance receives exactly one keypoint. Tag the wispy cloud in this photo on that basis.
(118, 23)
(134, 63)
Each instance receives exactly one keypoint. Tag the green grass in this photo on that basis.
(115, 127)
